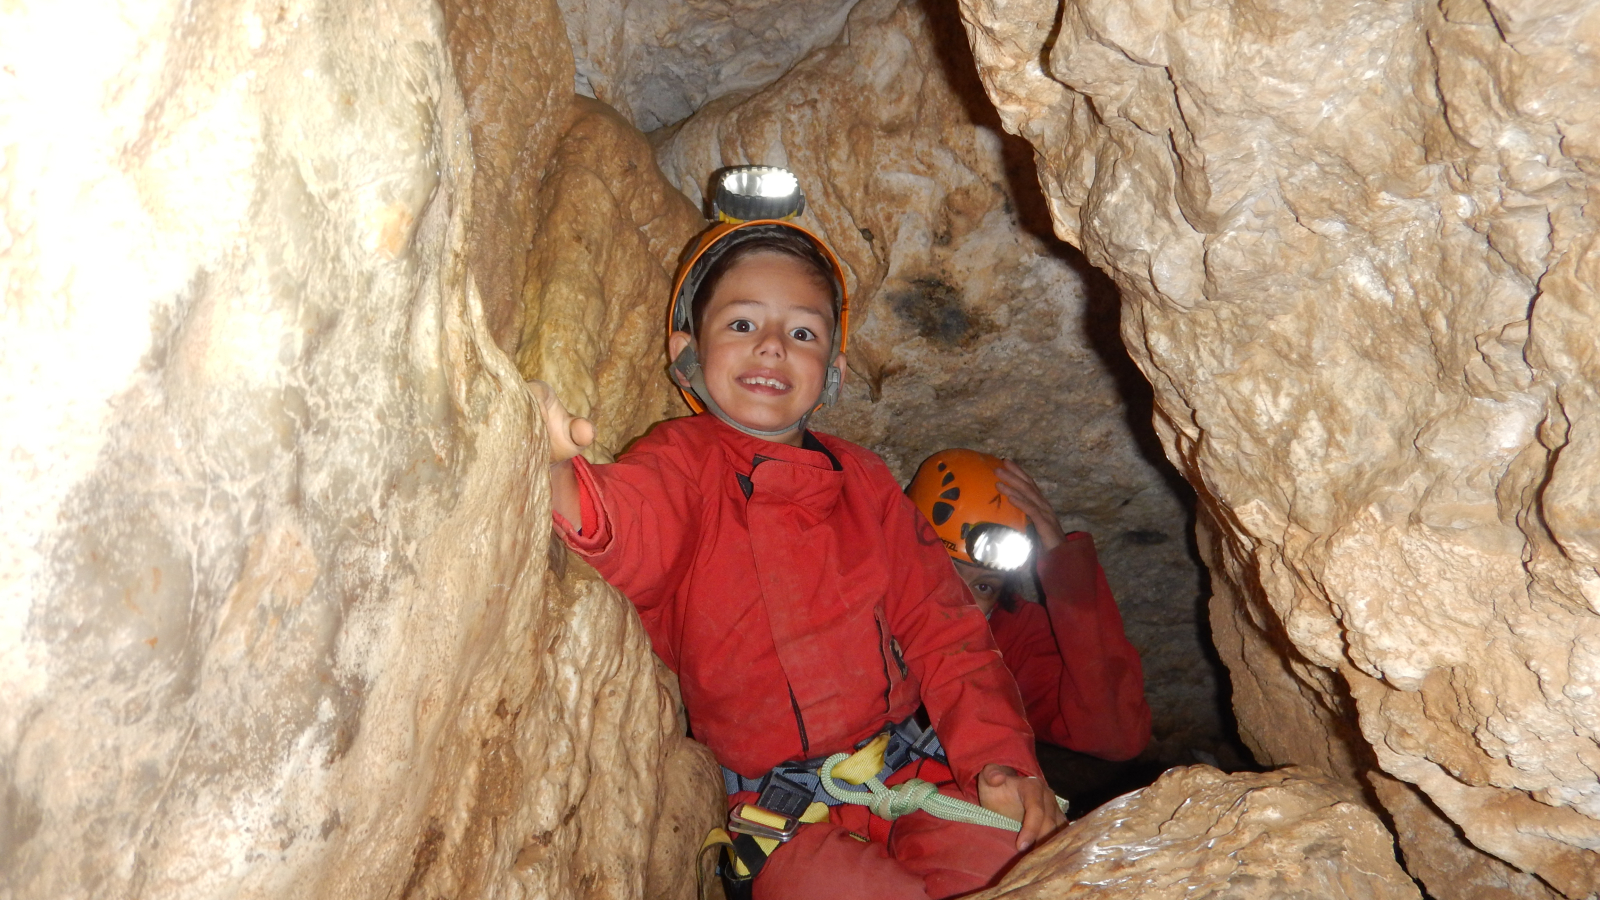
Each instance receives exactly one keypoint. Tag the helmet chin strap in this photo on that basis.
(686, 372)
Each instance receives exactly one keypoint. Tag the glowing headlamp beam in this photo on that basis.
(769, 183)
(998, 547)
(746, 193)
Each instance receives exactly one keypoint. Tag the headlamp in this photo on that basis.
(998, 547)
(746, 193)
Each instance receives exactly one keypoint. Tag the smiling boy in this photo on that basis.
(803, 602)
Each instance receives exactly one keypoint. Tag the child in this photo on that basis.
(1081, 680)
(782, 574)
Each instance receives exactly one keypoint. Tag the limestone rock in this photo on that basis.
(1357, 255)
(599, 277)
(1436, 856)
(515, 72)
(658, 62)
(276, 617)
(971, 324)
(1199, 833)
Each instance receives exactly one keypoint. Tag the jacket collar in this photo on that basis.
(810, 478)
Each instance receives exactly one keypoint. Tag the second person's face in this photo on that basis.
(984, 584)
(764, 343)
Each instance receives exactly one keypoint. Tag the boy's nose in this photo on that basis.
(771, 342)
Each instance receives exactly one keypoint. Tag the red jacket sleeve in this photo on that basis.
(971, 697)
(639, 527)
(1081, 680)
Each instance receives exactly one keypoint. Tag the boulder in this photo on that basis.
(1198, 832)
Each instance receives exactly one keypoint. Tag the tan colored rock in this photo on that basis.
(515, 73)
(599, 278)
(1356, 258)
(971, 325)
(276, 617)
(1438, 858)
(1197, 832)
(658, 62)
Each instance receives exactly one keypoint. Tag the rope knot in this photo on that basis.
(901, 799)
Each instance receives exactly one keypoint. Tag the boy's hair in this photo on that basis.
(747, 242)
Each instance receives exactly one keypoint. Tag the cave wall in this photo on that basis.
(277, 611)
(656, 63)
(1357, 262)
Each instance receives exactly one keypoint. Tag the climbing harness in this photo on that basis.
(789, 788)
(791, 795)
(795, 794)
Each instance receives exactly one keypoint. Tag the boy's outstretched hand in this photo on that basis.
(1028, 800)
(569, 434)
(1020, 489)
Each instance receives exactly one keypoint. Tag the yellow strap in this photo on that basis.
(718, 837)
(765, 816)
(864, 763)
(714, 837)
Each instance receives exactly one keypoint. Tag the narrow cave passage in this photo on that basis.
(973, 324)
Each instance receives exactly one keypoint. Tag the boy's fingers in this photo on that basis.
(582, 431)
(569, 434)
(1033, 825)
(1043, 815)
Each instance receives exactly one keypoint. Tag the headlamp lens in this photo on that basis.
(757, 182)
(998, 547)
(746, 193)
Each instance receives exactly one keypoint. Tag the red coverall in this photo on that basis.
(785, 586)
(1081, 680)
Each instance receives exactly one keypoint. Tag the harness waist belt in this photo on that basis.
(792, 786)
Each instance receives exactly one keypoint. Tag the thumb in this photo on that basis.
(582, 431)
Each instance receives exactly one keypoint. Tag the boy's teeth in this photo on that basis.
(770, 382)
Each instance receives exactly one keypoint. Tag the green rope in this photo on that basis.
(914, 794)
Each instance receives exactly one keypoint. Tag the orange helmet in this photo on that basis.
(959, 494)
(734, 197)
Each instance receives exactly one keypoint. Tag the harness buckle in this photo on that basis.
(756, 821)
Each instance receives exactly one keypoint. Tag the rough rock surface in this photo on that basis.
(1357, 255)
(599, 275)
(1197, 832)
(971, 324)
(275, 612)
(658, 62)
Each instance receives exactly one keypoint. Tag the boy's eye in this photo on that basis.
(744, 326)
(803, 334)
(983, 588)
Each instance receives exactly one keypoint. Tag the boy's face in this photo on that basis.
(985, 584)
(764, 343)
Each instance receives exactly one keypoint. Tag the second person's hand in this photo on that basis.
(1019, 487)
